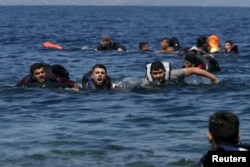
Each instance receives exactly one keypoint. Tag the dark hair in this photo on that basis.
(142, 44)
(229, 41)
(157, 65)
(192, 58)
(202, 40)
(107, 84)
(99, 66)
(36, 66)
(224, 127)
(167, 40)
(59, 70)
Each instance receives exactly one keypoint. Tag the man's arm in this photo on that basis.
(67, 82)
(201, 72)
(27, 79)
(169, 49)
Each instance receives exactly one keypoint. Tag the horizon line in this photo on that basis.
(125, 5)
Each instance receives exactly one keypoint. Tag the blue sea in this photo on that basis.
(132, 128)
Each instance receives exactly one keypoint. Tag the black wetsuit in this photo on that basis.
(87, 82)
(50, 81)
(112, 46)
(54, 78)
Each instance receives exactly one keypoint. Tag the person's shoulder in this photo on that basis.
(85, 78)
(147, 51)
(234, 49)
(145, 82)
(119, 47)
(161, 51)
(183, 51)
(203, 161)
(170, 49)
(99, 47)
(179, 73)
(191, 70)
(193, 48)
(178, 70)
(238, 147)
(27, 79)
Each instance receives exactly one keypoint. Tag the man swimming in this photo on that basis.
(160, 76)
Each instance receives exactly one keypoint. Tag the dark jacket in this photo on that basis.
(87, 82)
(56, 76)
(112, 46)
(204, 161)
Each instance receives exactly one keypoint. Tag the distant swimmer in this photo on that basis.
(42, 75)
(108, 44)
(160, 73)
(97, 79)
(202, 52)
(144, 46)
(169, 45)
(201, 45)
(165, 46)
(230, 47)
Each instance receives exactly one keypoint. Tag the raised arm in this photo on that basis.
(201, 72)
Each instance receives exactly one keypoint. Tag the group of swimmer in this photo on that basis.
(98, 79)
(223, 131)
(210, 44)
(200, 55)
(198, 60)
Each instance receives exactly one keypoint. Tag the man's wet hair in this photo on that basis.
(157, 65)
(201, 41)
(142, 44)
(99, 66)
(36, 66)
(192, 58)
(168, 40)
(229, 41)
(224, 128)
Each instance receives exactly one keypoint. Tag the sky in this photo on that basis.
(241, 3)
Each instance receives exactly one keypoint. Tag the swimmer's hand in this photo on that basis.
(76, 87)
(215, 81)
(120, 49)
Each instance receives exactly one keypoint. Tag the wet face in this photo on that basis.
(145, 47)
(99, 76)
(39, 75)
(187, 64)
(158, 75)
(227, 46)
(164, 44)
(105, 43)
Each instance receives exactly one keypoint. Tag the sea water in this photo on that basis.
(130, 128)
